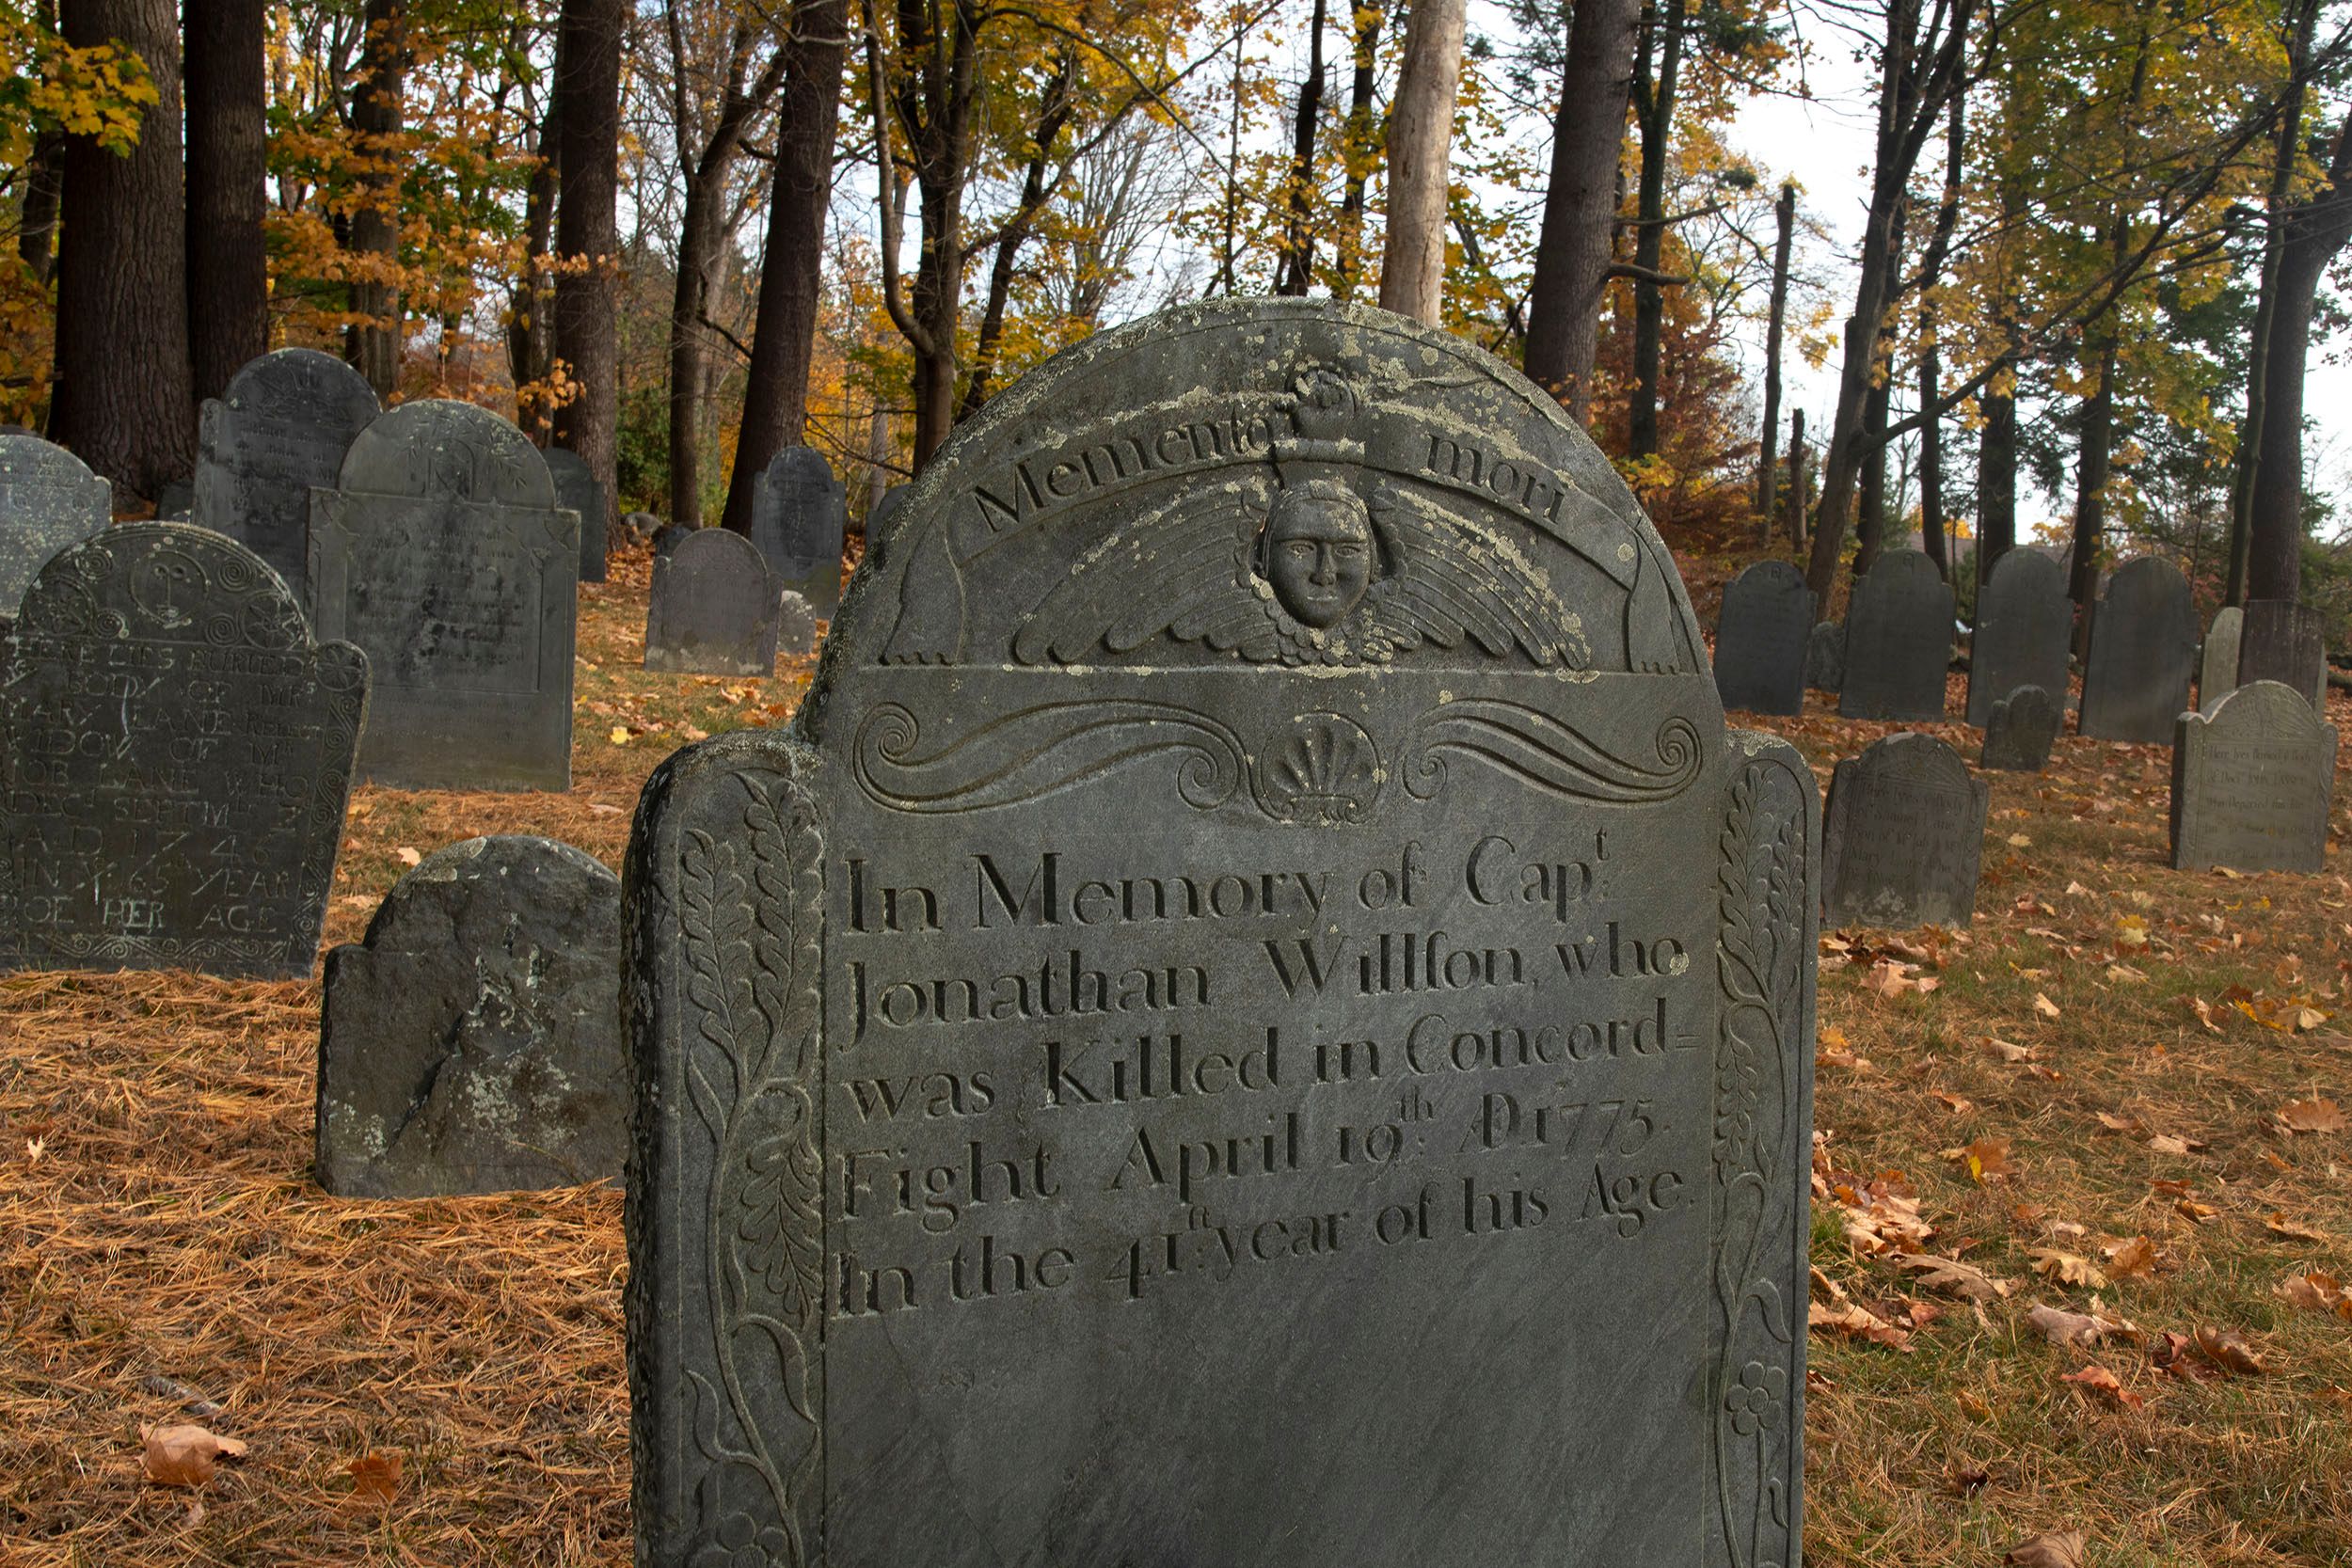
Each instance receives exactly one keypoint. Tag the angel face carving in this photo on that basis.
(1319, 552)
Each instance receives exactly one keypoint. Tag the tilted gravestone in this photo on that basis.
(2217, 669)
(1258, 902)
(1904, 833)
(1898, 641)
(277, 432)
(798, 516)
(2024, 621)
(796, 626)
(2287, 643)
(2252, 782)
(2143, 650)
(714, 609)
(1762, 639)
(1825, 658)
(577, 489)
(176, 755)
(444, 555)
(48, 499)
(2021, 729)
(472, 1042)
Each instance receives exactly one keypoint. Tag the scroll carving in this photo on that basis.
(1546, 754)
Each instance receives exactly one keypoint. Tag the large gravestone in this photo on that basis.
(798, 515)
(714, 609)
(2252, 782)
(1258, 1015)
(278, 430)
(472, 1042)
(577, 489)
(2285, 642)
(2024, 621)
(175, 756)
(1825, 658)
(1898, 641)
(2143, 650)
(48, 499)
(444, 555)
(2217, 668)
(2021, 729)
(1904, 829)
(1762, 639)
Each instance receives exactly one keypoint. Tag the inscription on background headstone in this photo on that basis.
(2143, 650)
(798, 515)
(472, 1042)
(796, 626)
(176, 755)
(444, 555)
(48, 499)
(714, 609)
(2024, 621)
(1898, 641)
(278, 430)
(2287, 643)
(578, 490)
(1199, 956)
(1762, 638)
(1904, 831)
(2217, 669)
(2252, 782)
(1825, 658)
(2021, 729)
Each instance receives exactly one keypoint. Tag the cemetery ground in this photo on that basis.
(2082, 1225)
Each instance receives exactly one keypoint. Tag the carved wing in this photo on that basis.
(1184, 570)
(1450, 578)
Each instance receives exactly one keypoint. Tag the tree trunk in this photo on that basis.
(1996, 472)
(1796, 482)
(125, 399)
(227, 190)
(1654, 108)
(1295, 263)
(784, 340)
(2090, 487)
(1420, 134)
(587, 237)
(531, 316)
(1784, 221)
(1932, 463)
(1572, 253)
(1870, 513)
(1055, 110)
(373, 343)
(1364, 147)
(1930, 354)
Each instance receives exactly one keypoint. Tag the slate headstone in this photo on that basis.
(175, 501)
(1825, 658)
(278, 430)
(669, 536)
(798, 515)
(175, 755)
(48, 499)
(2021, 729)
(472, 1042)
(885, 508)
(714, 609)
(1904, 831)
(796, 626)
(1762, 639)
(1208, 853)
(2252, 782)
(2025, 623)
(444, 555)
(2143, 651)
(2217, 669)
(2287, 643)
(577, 489)
(1898, 641)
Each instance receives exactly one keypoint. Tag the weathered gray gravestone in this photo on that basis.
(1904, 832)
(472, 1042)
(798, 515)
(2024, 621)
(2287, 643)
(2021, 729)
(884, 508)
(577, 489)
(175, 501)
(48, 499)
(669, 536)
(1762, 639)
(1197, 956)
(2216, 670)
(278, 430)
(796, 626)
(714, 609)
(642, 526)
(1898, 641)
(1825, 657)
(175, 755)
(444, 555)
(2252, 782)
(2143, 650)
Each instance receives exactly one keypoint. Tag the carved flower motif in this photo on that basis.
(1755, 1399)
(736, 1541)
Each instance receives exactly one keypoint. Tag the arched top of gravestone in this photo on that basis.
(563, 460)
(2265, 708)
(422, 911)
(445, 450)
(1903, 570)
(1924, 759)
(1777, 577)
(170, 583)
(2153, 586)
(714, 550)
(27, 459)
(302, 385)
(1269, 483)
(2026, 573)
(800, 466)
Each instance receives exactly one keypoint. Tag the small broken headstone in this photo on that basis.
(1898, 641)
(1825, 658)
(2252, 782)
(2143, 652)
(797, 518)
(2285, 642)
(48, 499)
(1903, 833)
(278, 430)
(713, 609)
(2024, 621)
(796, 626)
(1762, 639)
(2217, 668)
(472, 1042)
(2021, 729)
(577, 489)
(640, 525)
